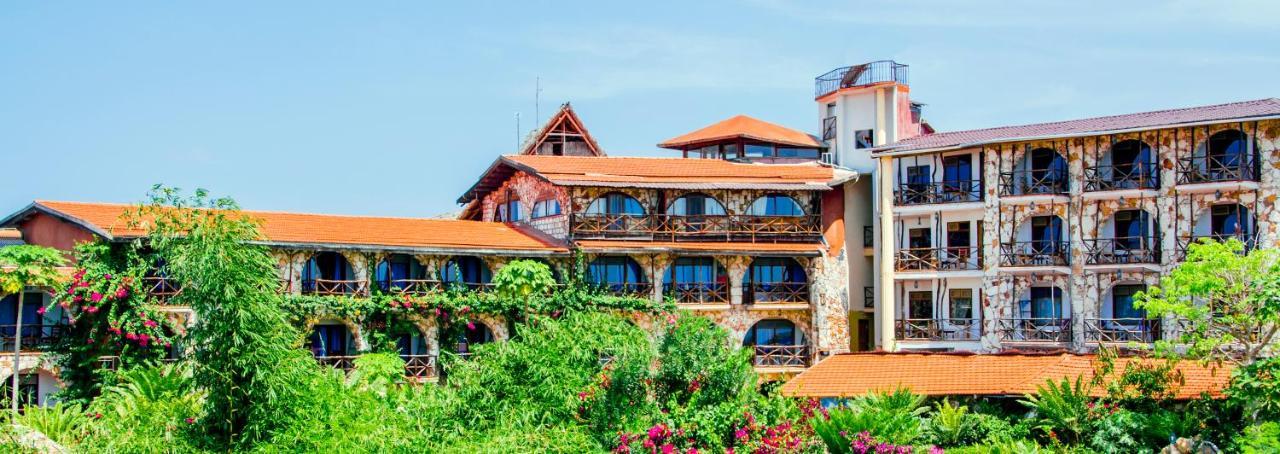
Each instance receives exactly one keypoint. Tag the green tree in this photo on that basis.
(21, 267)
(1228, 302)
(245, 350)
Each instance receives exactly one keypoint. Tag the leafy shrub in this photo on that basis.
(889, 417)
(1259, 438)
(952, 425)
(62, 423)
(1062, 408)
(1119, 432)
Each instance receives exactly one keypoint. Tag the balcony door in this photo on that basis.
(1131, 230)
(1230, 221)
(1047, 168)
(959, 242)
(773, 332)
(1046, 304)
(1130, 163)
(920, 305)
(1122, 309)
(1228, 154)
(329, 340)
(918, 179)
(1046, 234)
(957, 176)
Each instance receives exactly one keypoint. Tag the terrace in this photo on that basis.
(938, 329)
(876, 72)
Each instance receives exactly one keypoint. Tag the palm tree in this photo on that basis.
(21, 267)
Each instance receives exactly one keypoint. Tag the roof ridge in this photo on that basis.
(250, 211)
(1101, 117)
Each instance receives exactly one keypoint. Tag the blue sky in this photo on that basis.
(394, 108)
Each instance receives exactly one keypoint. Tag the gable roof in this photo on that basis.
(744, 127)
(313, 230)
(565, 121)
(1002, 374)
(1237, 111)
(676, 173)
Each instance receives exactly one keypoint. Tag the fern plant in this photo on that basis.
(62, 423)
(1062, 408)
(952, 425)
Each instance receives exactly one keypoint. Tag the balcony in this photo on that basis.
(697, 292)
(335, 287)
(781, 356)
(419, 366)
(777, 292)
(707, 227)
(1035, 253)
(938, 259)
(957, 191)
(409, 286)
(636, 289)
(1216, 169)
(1250, 241)
(1122, 251)
(33, 336)
(1032, 182)
(1034, 330)
(1121, 330)
(946, 329)
(828, 128)
(161, 289)
(1114, 178)
(860, 75)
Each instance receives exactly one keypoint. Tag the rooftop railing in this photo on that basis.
(704, 227)
(859, 75)
(955, 191)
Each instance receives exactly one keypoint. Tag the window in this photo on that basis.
(500, 214)
(775, 270)
(918, 177)
(961, 303)
(1131, 229)
(772, 332)
(477, 333)
(707, 152)
(863, 138)
(329, 340)
(557, 149)
(958, 234)
(731, 151)
(326, 266)
(465, 270)
(808, 153)
(1046, 303)
(919, 238)
(1130, 160)
(411, 345)
(28, 389)
(396, 270)
(1229, 220)
(920, 305)
(696, 205)
(31, 305)
(696, 270)
(1228, 149)
(1122, 302)
(1046, 233)
(513, 211)
(758, 151)
(957, 171)
(776, 205)
(615, 273)
(615, 204)
(544, 208)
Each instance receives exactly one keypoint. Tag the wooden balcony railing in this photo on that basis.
(781, 356)
(33, 336)
(1210, 169)
(1121, 330)
(1035, 253)
(698, 292)
(957, 191)
(776, 292)
(478, 287)
(409, 286)
(335, 287)
(639, 289)
(663, 226)
(942, 259)
(161, 289)
(1032, 182)
(285, 287)
(1122, 250)
(1048, 330)
(343, 363)
(419, 366)
(945, 329)
(1250, 241)
(1111, 178)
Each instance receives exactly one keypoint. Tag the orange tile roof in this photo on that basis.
(10, 234)
(743, 127)
(301, 228)
(690, 246)
(937, 374)
(570, 169)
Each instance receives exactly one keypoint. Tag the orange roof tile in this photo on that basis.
(937, 374)
(302, 229)
(10, 234)
(690, 246)
(570, 169)
(743, 127)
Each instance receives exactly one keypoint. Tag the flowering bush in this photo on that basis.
(784, 437)
(864, 443)
(114, 309)
(657, 439)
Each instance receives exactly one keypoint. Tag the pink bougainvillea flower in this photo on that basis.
(691, 451)
(740, 434)
(668, 449)
(131, 336)
(191, 420)
(122, 293)
(471, 326)
(91, 309)
(106, 276)
(149, 323)
(95, 297)
(71, 290)
(40, 310)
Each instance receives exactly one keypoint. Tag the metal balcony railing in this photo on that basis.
(956, 191)
(1035, 253)
(1049, 330)
(933, 329)
(939, 259)
(1033, 182)
(1211, 169)
(1122, 250)
(859, 75)
(776, 292)
(703, 227)
(698, 292)
(1121, 330)
(781, 356)
(1111, 178)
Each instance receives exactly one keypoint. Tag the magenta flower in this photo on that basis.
(191, 420)
(91, 309)
(668, 449)
(40, 310)
(106, 276)
(95, 297)
(935, 450)
(740, 434)
(471, 326)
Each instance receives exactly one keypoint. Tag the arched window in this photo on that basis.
(1047, 234)
(615, 203)
(329, 273)
(1122, 308)
(1228, 148)
(1132, 228)
(329, 340)
(398, 272)
(475, 333)
(412, 344)
(776, 205)
(1131, 165)
(1047, 172)
(697, 280)
(544, 208)
(619, 274)
(776, 280)
(1046, 305)
(1230, 220)
(465, 270)
(696, 204)
(773, 332)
